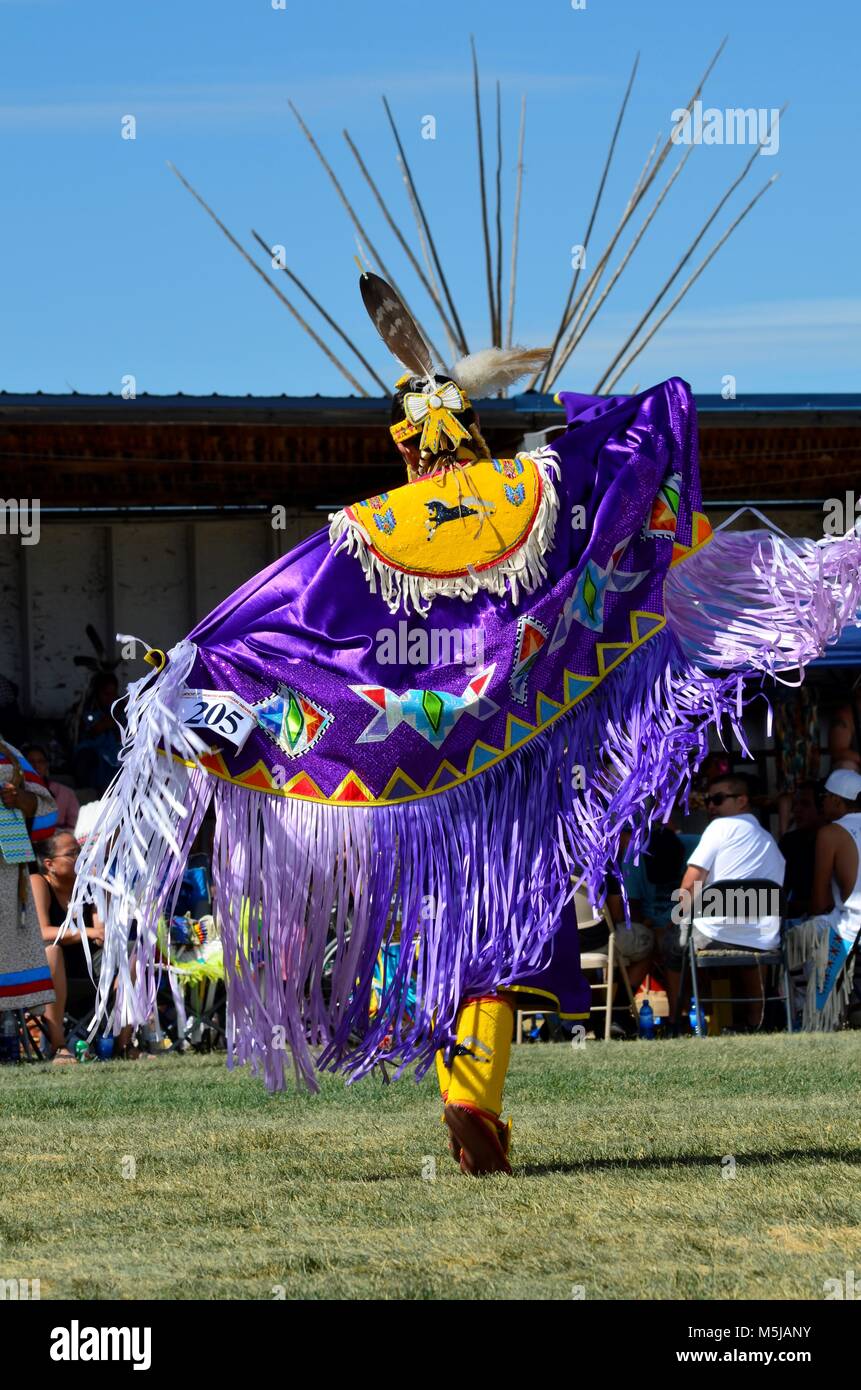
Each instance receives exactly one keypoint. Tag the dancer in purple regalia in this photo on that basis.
(384, 792)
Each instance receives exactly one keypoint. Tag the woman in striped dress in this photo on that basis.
(27, 815)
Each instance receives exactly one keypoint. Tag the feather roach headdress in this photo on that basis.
(437, 405)
(492, 369)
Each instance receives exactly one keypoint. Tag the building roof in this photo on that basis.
(356, 408)
(92, 452)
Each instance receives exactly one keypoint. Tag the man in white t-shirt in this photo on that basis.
(735, 850)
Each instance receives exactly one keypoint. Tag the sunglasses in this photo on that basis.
(718, 798)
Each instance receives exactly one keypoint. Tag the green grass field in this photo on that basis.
(619, 1184)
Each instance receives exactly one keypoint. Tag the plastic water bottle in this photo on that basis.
(696, 1020)
(10, 1043)
(647, 1020)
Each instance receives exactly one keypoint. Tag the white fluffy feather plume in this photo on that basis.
(482, 373)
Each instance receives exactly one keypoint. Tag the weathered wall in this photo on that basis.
(10, 610)
(67, 583)
(152, 585)
(153, 579)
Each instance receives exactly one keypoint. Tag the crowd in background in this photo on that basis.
(722, 833)
(810, 873)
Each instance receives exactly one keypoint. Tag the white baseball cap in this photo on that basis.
(844, 782)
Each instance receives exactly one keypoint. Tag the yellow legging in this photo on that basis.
(480, 1062)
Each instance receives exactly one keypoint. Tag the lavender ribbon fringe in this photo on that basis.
(764, 602)
(472, 881)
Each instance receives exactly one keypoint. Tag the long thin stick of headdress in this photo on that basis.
(641, 188)
(453, 342)
(488, 259)
(682, 262)
(273, 287)
(515, 235)
(686, 257)
(498, 339)
(579, 326)
(593, 214)
(683, 291)
(646, 167)
(267, 247)
(428, 233)
(351, 211)
(408, 250)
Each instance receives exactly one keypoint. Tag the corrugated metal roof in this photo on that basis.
(528, 402)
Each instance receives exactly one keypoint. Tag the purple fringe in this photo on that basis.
(471, 881)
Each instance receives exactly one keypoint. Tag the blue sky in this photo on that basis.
(109, 268)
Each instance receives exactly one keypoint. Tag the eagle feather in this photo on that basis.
(395, 325)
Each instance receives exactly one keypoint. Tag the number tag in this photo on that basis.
(225, 717)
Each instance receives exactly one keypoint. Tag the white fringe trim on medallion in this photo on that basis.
(524, 570)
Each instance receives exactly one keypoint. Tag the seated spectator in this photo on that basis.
(837, 863)
(654, 882)
(98, 746)
(827, 941)
(733, 849)
(844, 735)
(68, 805)
(635, 942)
(28, 817)
(649, 886)
(798, 846)
(52, 889)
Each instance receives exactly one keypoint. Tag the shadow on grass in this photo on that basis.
(651, 1161)
(760, 1160)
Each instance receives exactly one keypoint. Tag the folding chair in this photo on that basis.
(604, 958)
(30, 1049)
(729, 956)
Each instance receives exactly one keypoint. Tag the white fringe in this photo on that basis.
(808, 943)
(133, 848)
(524, 570)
